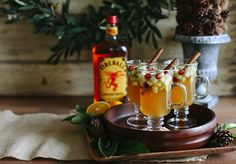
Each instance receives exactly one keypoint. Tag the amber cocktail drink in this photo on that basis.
(139, 120)
(133, 86)
(185, 74)
(155, 93)
(188, 79)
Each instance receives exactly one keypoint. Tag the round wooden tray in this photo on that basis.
(195, 137)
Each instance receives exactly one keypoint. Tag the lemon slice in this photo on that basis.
(98, 108)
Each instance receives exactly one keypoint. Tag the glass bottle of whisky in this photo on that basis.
(109, 63)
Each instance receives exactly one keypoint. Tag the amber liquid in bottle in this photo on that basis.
(109, 63)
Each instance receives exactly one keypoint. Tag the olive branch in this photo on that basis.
(137, 22)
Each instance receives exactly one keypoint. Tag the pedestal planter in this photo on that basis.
(209, 47)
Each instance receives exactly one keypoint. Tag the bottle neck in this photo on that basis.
(111, 37)
(111, 32)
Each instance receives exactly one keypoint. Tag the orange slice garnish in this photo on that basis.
(98, 108)
(113, 103)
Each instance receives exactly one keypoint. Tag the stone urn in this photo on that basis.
(209, 47)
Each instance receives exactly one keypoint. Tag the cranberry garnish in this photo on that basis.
(131, 68)
(158, 76)
(148, 76)
(181, 72)
(151, 68)
(165, 72)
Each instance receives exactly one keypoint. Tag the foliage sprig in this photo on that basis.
(100, 141)
(137, 21)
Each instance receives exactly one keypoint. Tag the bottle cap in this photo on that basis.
(112, 19)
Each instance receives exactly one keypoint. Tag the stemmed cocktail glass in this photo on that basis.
(186, 74)
(139, 120)
(155, 94)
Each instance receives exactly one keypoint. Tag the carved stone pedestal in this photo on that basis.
(209, 47)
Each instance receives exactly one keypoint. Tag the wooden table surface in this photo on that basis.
(225, 111)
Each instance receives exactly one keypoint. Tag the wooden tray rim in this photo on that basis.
(161, 155)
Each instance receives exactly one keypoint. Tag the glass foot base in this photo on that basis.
(180, 124)
(158, 129)
(137, 122)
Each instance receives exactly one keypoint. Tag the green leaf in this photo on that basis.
(148, 37)
(66, 6)
(234, 135)
(228, 126)
(55, 57)
(76, 30)
(71, 20)
(32, 3)
(66, 53)
(69, 118)
(144, 29)
(107, 147)
(45, 11)
(131, 146)
(37, 17)
(156, 30)
(27, 8)
(80, 119)
(21, 3)
(80, 109)
(60, 33)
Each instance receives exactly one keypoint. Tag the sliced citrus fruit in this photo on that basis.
(113, 103)
(98, 108)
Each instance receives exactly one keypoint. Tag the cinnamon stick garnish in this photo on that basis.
(153, 60)
(156, 56)
(171, 64)
(192, 60)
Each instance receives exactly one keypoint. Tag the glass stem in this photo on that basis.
(182, 114)
(138, 112)
(155, 123)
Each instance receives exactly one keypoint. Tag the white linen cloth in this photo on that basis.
(45, 135)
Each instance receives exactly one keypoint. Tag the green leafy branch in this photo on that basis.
(137, 21)
(72, 32)
(105, 145)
